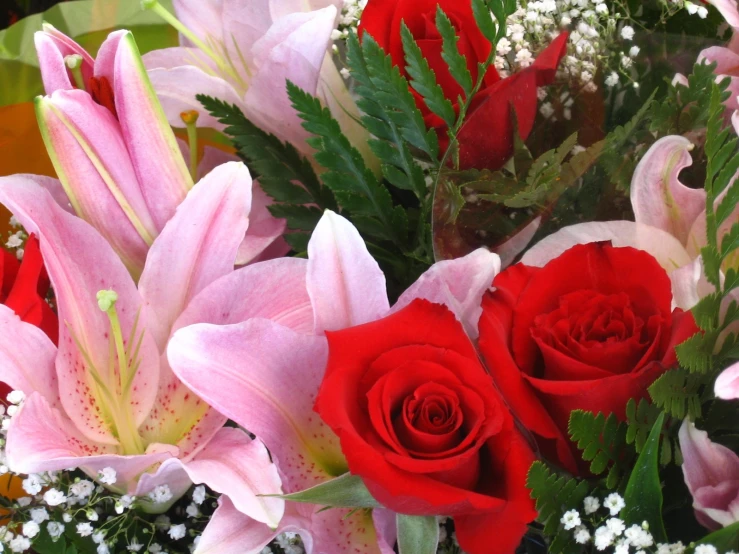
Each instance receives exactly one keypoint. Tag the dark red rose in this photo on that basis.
(24, 287)
(421, 422)
(588, 331)
(486, 140)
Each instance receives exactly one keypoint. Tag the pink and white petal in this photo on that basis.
(689, 285)
(727, 384)
(274, 290)
(54, 187)
(27, 358)
(264, 377)
(666, 249)
(244, 23)
(151, 142)
(212, 158)
(90, 156)
(706, 463)
(336, 531)
(277, 249)
(203, 19)
(178, 56)
(345, 283)
(176, 89)
(728, 10)
(234, 464)
(658, 197)
(52, 46)
(197, 246)
(386, 529)
(293, 49)
(517, 243)
(458, 284)
(40, 439)
(264, 229)
(231, 532)
(80, 263)
(281, 8)
(169, 473)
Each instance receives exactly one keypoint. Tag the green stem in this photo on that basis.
(190, 119)
(74, 63)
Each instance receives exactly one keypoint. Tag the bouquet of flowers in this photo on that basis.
(379, 276)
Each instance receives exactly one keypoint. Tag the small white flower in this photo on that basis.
(639, 537)
(705, 549)
(19, 253)
(31, 529)
(84, 529)
(55, 529)
(634, 51)
(123, 503)
(176, 532)
(603, 538)
(612, 79)
(524, 58)
(24, 501)
(192, 510)
(615, 526)
(160, 494)
(82, 489)
(103, 549)
(345, 73)
(702, 12)
(16, 396)
(92, 515)
(678, 548)
(107, 476)
(615, 503)
(14, 222)
(32, 484)
(504, 46)
(39, 515)
(155, 547)
(14, 241)
(621, 548)
(54, 497)
(134, 546)
(98, 537)
(570, 519)
(198, 495)
(691, 8)
(582, 535)
(19, 544)
(336, 34)
(546, 110)
(67, 517)
(627, 33)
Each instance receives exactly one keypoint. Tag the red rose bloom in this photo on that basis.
(421, 422)
(24, 287)
(486, 140)
(588, 331)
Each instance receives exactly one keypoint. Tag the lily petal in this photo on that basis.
(264, 228)
(658, 198)
(274, 290)
(345, 284)
(42, 439)
(231, 532)
(27, 357)
(727, 384)
(52, 47)
(197, 246)
(156, 157)
(80, 263)
(264, 377)
(728, 10)
(458, 284)
(235, 465)
(666, 249)
(294, 49)
(90, 156)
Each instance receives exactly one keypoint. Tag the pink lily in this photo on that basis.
(107, 397)
(727, 384)
(711, 473)
(260, 361)
(115, 154)
(244, 53)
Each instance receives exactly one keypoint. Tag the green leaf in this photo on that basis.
(692, 354)
(729, 244)
(602, 441)
(725, 540)
(643, 494)
(677, 392)
(484, 20)
(346, 491)
(554, 495)
(353, 184)
(417, 534)
(450, 52)
(423, 79)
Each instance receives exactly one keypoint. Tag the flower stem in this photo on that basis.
(74, 63)
(190, 119)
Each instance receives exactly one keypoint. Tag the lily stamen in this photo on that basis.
(190, 119)
(74, 64)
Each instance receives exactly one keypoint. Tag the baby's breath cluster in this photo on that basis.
(598, 523)
(17, 239)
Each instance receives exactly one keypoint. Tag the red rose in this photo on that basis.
(486, 140)
(421, 422)
(23, 288)
(590, 330)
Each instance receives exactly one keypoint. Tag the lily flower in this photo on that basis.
(711, 473)
(116, 156)
(243, 54)
(259, 354)
(727, 384)
(106, 396)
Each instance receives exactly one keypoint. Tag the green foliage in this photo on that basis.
(456, 61)
(643, 494)
(353, 184)
(725, 540)
(280, 168)
(417, 534)
(347, 490)
(677, 392)
(554, 496)
(686, 108)
(602, 441)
